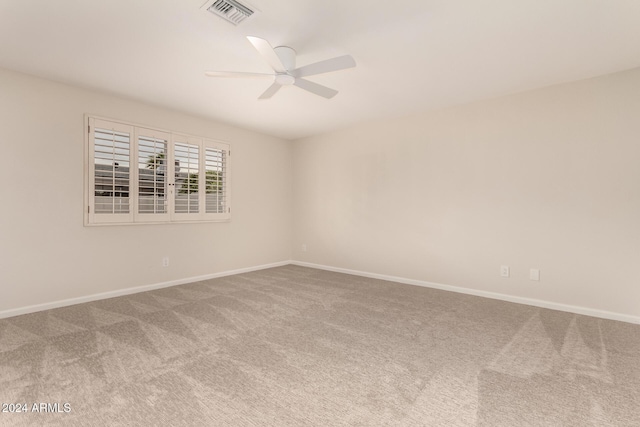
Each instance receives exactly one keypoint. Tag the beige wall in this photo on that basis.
(47, 255)
(547, 179)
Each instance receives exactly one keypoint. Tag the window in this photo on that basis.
(137, 174)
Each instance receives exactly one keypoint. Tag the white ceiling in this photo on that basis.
(412, 55)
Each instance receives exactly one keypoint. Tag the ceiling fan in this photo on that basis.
(283, 61)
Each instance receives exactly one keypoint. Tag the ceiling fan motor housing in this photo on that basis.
(285, 79)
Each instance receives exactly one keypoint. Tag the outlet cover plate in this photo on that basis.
(534, 274)
(504, 270)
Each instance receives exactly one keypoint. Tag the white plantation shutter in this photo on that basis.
(109, 172)
(216, 167)
(152, 175)
(186, 151)
(142, 175)
(192, 156)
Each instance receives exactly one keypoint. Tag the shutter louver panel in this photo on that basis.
(152, 171)
(111, 154)
(187, 175)
(216, 175)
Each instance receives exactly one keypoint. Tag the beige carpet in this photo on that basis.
(294, 346)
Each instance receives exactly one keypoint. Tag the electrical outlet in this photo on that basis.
(165, 261)
(504, 270)
(534, 274)
(304, 247)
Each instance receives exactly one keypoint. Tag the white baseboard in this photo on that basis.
(494, 295)
(134, 290)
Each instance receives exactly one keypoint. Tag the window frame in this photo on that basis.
(133, 217)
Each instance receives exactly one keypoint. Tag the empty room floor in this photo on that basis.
(295, 346)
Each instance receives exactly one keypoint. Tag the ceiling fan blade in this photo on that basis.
(264, 48)
(312, 87)
(270, 91)
(334, 64)
(236, 74)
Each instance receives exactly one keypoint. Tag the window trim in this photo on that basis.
(133, 217)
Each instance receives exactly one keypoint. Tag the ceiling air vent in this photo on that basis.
(230, 10)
